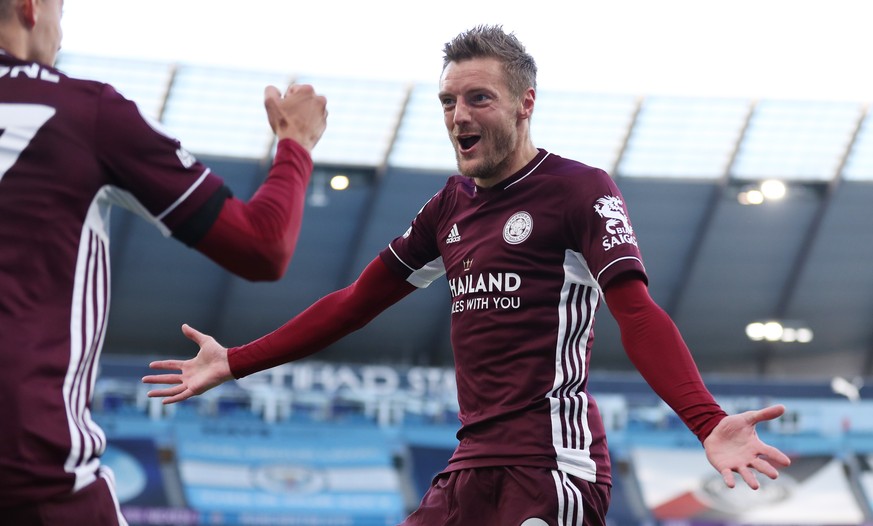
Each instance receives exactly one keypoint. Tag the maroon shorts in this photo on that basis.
(511, 496)
(94, 505)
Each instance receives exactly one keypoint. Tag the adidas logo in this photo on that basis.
(454, 235)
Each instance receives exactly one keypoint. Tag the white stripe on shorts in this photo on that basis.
(106, 474)
(570, 503)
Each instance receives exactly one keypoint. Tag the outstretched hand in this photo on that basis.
(298, 114)
(734, 446)
(197, 375)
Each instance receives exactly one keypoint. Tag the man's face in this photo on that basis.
(481, 116)
(47, 33)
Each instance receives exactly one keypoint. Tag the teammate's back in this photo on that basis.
(69, 150)
(67, 153)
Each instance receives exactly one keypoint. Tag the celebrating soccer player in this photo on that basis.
(531, 243)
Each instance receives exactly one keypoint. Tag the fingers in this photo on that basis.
(167, 391)
(768, 413)
(728, 477)
(162, 379)
(749, 477)
(271, 93)
(166, 365)
(271, 101)
(173, 400)
(171, 395)
(774, 456)
(193, 334)
(299, 114)
(763, 466)
(304, 89)
(272, 96)
(184, 395)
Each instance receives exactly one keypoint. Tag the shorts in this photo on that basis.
(511, 496)
(94, 505)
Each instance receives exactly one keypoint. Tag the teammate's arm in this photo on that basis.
(256, 240)
(657, 350)
(325, 322)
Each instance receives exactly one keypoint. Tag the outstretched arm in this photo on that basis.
(256, 240)
(656, 348)
(326, 321)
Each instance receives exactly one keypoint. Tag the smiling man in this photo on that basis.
(488, 125)
(520, 236)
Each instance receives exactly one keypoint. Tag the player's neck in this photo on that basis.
(12, 43)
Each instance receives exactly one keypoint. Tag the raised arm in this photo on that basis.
(256, 240)
(324, 322)
(657, 350)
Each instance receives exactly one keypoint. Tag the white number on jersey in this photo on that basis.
(18, 125)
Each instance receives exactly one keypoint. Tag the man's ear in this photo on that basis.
(527, 104)
(27, 12)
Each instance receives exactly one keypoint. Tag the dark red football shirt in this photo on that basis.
(526, 262)
(69, 149)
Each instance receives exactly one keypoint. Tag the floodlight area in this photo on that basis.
(777, 331)
(760, 193)
(339, 182)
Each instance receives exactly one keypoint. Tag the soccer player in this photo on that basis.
(531, 243)
(69, 149)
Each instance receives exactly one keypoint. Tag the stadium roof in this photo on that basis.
(688, 168)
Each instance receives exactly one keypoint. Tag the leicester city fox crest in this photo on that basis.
(618, 227)
(517, 228)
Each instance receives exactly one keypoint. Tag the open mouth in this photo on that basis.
(468, 142)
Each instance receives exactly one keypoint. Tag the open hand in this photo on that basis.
(734, 446)
(197, 375)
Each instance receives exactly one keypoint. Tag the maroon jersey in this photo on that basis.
(526, 263)
(69, 149)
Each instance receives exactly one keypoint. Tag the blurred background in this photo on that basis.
(740, 135)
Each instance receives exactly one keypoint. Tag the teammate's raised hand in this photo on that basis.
(197, 375)
(299, 114)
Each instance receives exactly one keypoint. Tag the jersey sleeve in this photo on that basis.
(608, 240)
(415, 255)
(159, 179)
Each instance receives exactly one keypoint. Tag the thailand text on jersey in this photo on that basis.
(526, 262)
(69, 149)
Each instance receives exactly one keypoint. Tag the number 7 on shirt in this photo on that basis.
(19, 123)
